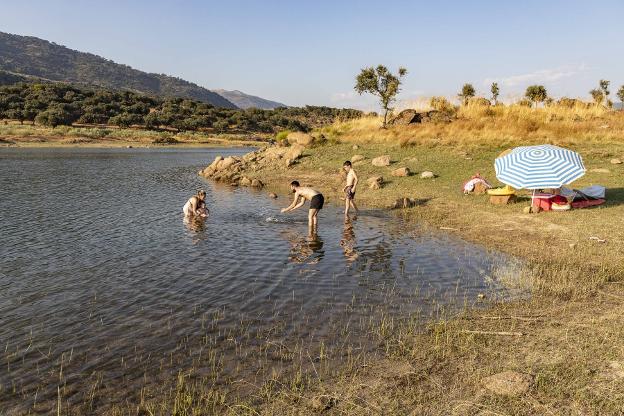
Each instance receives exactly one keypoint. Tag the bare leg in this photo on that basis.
(314, 214)
(311, 221)
(347, 206)
(352, 202)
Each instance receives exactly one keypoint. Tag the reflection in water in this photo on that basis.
(348, 241)
(197, 226)
(308, 250)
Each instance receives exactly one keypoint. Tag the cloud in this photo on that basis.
(540, 76)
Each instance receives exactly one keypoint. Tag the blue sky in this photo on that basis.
(309, 52)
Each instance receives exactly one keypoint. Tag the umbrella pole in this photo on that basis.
(533, 197)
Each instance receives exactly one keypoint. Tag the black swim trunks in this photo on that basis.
(317, 201)
(349, 193)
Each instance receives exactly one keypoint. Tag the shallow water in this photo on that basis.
(102, 283)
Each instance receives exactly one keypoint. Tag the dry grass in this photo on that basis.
(500, 126)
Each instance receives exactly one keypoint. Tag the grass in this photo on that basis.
(13, 133)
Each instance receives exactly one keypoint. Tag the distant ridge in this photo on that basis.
(242, 100)
(31, 56)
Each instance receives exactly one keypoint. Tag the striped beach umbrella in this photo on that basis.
(539, 167)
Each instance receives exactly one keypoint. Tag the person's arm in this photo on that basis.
(355, 182)
(194, 205)
(293, 205)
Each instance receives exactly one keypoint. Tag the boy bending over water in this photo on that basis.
(303, 193)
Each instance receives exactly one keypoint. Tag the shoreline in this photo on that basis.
(572, 278)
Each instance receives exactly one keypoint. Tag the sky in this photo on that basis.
(309, 52)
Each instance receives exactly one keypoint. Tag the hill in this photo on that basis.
(36, 57)
(242, 100)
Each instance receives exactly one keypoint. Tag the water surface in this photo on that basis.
(103, 287)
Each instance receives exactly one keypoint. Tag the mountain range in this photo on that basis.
(27, 58)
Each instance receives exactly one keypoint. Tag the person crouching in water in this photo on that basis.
(196, 206)
(349, 189)
(303, 193)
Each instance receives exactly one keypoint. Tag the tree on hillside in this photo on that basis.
(620, 95)
(382, 83)
(466, 93)
(597, 95)
(604, 87)
(536, 94)
(495, 92)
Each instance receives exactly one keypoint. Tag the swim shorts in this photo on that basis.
(317, 201)
(349, 193)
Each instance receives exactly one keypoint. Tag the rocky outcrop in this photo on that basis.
(357, 158)
(303, 139)
(410, 116)
(381, 161)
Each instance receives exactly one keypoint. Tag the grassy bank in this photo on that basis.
(565, 338)
(28, 135)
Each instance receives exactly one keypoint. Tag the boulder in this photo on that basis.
(273, 153)
(616, 161)
(301, 138)
(357, 158)
(355, 147)
(256, 183)
(403, 203)
(508, 383)
(401, 172)
(294, 152)
(244, 181)
(226, 163)
(381, 161)
(273, 195)
(411, 116)
(375, 182)
(427, 175)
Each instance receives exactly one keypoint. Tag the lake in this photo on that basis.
(104, 289)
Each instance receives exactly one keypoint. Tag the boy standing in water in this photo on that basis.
(349, 188)
(316, 203)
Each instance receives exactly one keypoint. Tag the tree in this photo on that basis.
(536, 94)
(382, 83)
(604, 87)
(495, 92)
(466, 93)
(597, 95)
(620, 95)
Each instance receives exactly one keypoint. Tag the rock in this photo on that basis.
(381, 161)
(357, 158)
(273, 153)
(355, 147)
(526, 210)
(616, 161)
(300, 138)
(130, 147)
(256, 183)
(273, 195)
(289, 162)
(403, 203)
(375, 182)
(572, 245)
(427, 175)
(508, 383)
(294, 152)
(244, 181)
(401, 172)
(226, 163)
(600, 170)
(411, 116)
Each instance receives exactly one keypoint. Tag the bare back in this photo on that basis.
(306, 193)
